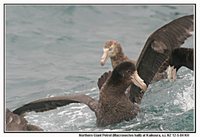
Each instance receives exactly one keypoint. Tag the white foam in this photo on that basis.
(185, 99)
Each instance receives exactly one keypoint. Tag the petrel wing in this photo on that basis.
(158, 49)
(54, 102)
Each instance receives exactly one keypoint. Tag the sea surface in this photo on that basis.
(55, 50)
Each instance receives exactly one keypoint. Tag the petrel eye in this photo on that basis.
(128, 71)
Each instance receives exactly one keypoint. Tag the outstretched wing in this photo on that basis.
(54, 102)
(158, 49)
(160, 45)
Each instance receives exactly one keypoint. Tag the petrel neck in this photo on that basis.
(117, 59)
(115, 87)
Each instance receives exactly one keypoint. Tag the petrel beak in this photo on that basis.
(135, 78)
(104, 56)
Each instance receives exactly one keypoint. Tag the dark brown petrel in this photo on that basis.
(113, 105)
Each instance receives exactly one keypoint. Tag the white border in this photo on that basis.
(93, 2)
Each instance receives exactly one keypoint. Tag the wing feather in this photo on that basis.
(103, 79)
(54, 102)
(160, 45)
(158, 49)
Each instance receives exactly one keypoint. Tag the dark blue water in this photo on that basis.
(55, 50)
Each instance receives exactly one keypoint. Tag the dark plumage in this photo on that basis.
(113, 105)
(179, 57)
(15, 122)
(113, 50)
(161, 49)
(182, 57)
(158, 49)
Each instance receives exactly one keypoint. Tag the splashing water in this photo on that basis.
(166, 106)
(55, 50)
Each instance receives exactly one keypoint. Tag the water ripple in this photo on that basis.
(55, 50)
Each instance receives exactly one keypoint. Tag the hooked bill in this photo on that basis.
(104, 56)
(135, 78)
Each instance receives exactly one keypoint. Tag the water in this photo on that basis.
(55, 50)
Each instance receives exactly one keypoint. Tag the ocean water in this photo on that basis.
(55, 50)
